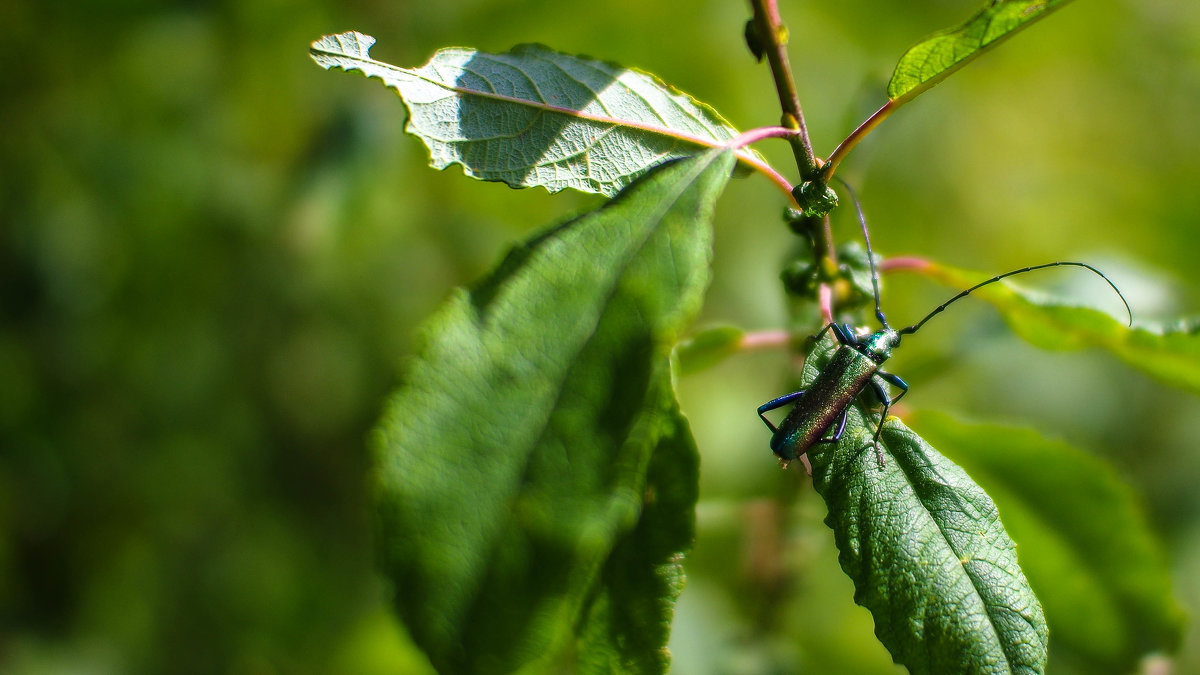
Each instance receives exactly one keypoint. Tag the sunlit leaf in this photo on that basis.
(535, 479)
(926, 550)
(936, 57)
(533, 116)
(1172, 354)
(1084, 540)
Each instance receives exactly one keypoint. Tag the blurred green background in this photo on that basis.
(214, 254)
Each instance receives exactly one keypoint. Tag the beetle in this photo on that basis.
(855, 365)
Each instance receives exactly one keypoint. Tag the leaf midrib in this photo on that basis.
(663, 207)
(743, 155)
(996, 634)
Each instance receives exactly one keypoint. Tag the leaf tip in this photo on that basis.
(350, 43)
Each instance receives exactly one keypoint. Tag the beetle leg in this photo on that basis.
(895, 381)
(777, 403)
(882, 393)
(844, 334)
(837, 435)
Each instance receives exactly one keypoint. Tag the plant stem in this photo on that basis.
(739, 143)
(759, 133)
(771, 31)
(904, 263)
(768, 339)
(825, 299)
(840, 152)
(751, 160)
(772, 38)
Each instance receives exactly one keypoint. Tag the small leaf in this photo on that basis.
(1085, 542)
(1170, 355)
(708, 347)
(936, 57)
(926, 551)
(520, 496)
(534, 116)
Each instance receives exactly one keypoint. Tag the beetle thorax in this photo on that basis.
(879, 345)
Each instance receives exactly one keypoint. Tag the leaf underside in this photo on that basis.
(926, 551)
(536, 117)
(1085, 543)
(933, 59)
(535, 480)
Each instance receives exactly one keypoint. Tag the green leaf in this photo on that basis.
(1170, 355)
(937, 56)
(628, 623)
(520, 500)
(707, 348)
(926, 551)
(1085, 542)
(533, 116)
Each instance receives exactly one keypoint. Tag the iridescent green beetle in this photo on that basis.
(855, 366)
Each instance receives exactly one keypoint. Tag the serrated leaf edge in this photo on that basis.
(325, 58)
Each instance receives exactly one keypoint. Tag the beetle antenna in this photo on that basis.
(862, 219)
(917, 326)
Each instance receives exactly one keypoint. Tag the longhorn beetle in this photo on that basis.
(855, 365)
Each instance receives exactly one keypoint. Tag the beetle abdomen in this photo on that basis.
(842, 379)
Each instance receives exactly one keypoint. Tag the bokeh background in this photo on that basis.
(213, 255)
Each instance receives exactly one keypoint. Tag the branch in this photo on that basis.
(772, 38)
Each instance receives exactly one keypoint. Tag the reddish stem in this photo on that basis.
(754, 135)
(843, 149)
(766, 339)
(902, 263)
(825, 297)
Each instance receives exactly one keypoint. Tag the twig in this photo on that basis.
(844, 148)
(773, 37)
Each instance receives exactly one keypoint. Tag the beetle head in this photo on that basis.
(878, 347)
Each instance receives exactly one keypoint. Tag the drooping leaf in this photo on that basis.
(533, 116)
(1171, 355)
(519, 498)
(1085, 543)
(926, 551)
(933, 59)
